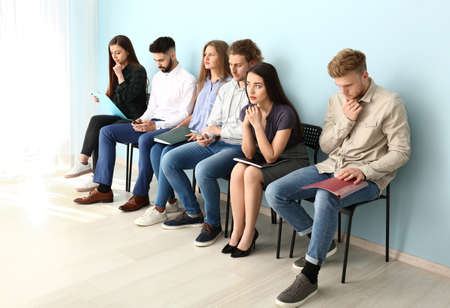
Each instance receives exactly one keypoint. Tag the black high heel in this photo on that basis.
(237, 253)
(229, 248)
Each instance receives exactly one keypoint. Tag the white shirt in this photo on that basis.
(170, 97)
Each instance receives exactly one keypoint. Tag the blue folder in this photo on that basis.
(107, 106)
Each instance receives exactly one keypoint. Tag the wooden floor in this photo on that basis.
(57, 254)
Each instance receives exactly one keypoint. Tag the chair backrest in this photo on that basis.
(311, 134)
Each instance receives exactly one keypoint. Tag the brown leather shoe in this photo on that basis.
(94, 197)
(135, 203)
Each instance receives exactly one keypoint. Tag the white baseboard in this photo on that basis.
(399, 256)
(359, 242)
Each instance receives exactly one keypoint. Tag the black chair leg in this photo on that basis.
(194, 180)
(130, 170)
(347, 243)
(388, 198)
(274, 216)
(291, 252)
(127, 163)
(339, 227)
(227, 214)
(280, 226)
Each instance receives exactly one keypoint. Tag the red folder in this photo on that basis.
(339, 188)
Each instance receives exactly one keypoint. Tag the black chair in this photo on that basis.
(349, 211)
(311, 135)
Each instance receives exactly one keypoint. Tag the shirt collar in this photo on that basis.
(367, 97)
(126, 68)
(236, 85)
(174, 71)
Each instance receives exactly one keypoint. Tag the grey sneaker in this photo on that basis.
(299, 264)
(297, 293)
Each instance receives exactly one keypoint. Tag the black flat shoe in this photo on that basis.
(228, 248)
(237, 253)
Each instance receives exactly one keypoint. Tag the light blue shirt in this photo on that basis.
(204, 103)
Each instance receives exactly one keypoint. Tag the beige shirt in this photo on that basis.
(378, 142)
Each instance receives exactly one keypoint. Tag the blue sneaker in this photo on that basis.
(183, 221)
(208, 235)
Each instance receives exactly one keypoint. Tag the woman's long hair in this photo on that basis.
(273, 87)
(221, 48)
(125, 43)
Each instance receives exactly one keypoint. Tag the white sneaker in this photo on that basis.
(151, 216)
(78, 169)
(172, 207)
(87, 185)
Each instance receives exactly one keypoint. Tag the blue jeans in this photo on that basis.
(165, 191)
(124, 133)
(210, 162)
(283, 194)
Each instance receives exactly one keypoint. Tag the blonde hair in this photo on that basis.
(346, 61)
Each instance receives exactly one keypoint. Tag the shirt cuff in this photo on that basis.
(367, 171)
(345, 123)
(121, 85)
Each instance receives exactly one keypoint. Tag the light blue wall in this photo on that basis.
(408, 49)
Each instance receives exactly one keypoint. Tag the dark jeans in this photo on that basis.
(90, 143)
(124, 133)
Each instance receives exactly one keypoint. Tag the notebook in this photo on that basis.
(257, 164)
(339, 188)
(173, 136)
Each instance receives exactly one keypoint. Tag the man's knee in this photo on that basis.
(106, 131)
(156, 151)
(272, 194)
(201, 171)
(145, 140)
(325, 201)
(168, 162)
(206, 169)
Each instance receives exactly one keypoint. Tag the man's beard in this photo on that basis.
(169, 66)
